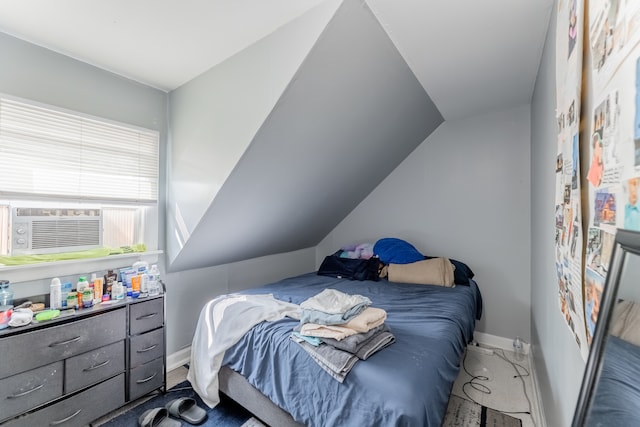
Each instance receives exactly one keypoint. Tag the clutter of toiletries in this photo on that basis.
(137, 281)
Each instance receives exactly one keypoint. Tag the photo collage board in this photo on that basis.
(610, 149)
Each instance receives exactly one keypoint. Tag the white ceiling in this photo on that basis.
(469, 56)
(162, 43)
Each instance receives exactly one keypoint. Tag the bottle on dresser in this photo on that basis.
(97, 288)
(6, 294)
(82, 284)
(141, 268)
(109, 280)
(67, 288)
(117, 291)
(153, 281)
(55, 294)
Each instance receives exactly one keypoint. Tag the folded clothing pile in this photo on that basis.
(338, 329)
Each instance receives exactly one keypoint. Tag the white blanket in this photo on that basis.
(223, 322)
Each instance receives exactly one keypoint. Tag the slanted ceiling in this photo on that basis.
(351, 112)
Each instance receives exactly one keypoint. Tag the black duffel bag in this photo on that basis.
(348, 268)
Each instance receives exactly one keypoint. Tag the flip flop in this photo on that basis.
(157, 417)
(187, 409)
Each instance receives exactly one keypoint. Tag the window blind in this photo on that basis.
(53, 153)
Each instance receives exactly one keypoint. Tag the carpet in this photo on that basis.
(464, 413)
(226, 414)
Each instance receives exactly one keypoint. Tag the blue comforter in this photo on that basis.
(405, 384)
(616, 400)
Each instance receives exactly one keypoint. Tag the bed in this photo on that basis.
(406, 383)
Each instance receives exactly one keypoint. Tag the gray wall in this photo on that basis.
(352, 112)
(557, 359)
(214, 117)
(464, 194)
(31, 72)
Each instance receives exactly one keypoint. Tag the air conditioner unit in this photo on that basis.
(52, 230)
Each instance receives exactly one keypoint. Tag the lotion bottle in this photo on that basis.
(154, 284)
(118, 291)
(55, 295)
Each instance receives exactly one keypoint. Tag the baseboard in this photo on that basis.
(179, 358)
(536, 387)
(498, 342)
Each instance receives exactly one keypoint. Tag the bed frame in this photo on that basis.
(238, 388)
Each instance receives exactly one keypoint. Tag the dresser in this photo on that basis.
(72, 370)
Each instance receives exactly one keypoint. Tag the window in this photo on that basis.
(62, 164)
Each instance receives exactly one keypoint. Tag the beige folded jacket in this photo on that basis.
(370, 318)
(435, 271)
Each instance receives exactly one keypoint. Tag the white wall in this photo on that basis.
(464, 194)
(557, 359)
(188, 291)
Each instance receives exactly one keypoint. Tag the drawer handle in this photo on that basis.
(24, 393)
(147, 379)
(147, 349)
(147, 316)
(100, 365)
(57, 423)
(59, 343)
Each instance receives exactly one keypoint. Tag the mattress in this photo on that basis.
(407, 383)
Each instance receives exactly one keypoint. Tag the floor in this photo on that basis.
(496, 379)
(491, 377)
(174, 377)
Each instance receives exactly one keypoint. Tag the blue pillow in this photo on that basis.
(396, 251)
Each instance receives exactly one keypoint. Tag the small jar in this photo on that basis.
(6, 294)
(72, 300)
(87, 297)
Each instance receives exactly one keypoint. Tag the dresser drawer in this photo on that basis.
(146, 378)
(146, 347)
(145, 316)
(94, 366)
(43, 346)
(78, 410)
(30, 389)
